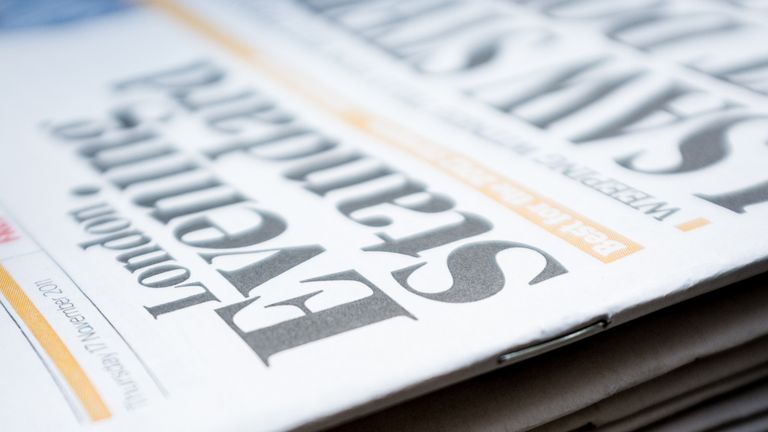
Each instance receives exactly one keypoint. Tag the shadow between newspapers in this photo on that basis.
(643, 375)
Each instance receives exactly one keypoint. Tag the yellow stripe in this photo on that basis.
(512, 195)
(470, 172)
(692, 224)
(61, 357)
(198, 23)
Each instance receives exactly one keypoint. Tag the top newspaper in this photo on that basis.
(262, 215)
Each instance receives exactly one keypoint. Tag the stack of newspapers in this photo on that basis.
(384, 215)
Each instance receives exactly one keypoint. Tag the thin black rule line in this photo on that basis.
(22, 255)
(54, 377)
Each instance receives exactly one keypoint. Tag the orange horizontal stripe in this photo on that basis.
(692, 224)
(588, 236)
(54, 347)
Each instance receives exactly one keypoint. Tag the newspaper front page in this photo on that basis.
(255, 215)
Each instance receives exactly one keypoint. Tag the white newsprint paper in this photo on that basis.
(270, 215)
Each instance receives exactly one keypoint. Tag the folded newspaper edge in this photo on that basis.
(239, 214)
(648, 363)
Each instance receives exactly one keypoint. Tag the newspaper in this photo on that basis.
(620, 380)
(243, 215)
